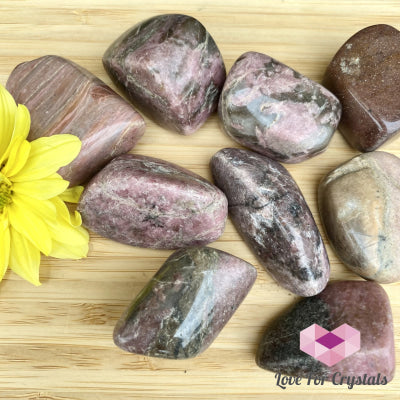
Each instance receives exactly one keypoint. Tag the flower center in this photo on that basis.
(5, 192)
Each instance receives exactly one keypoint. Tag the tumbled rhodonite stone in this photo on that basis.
(183, 308)
(273, 110)
(147, 202)
(358, 203)
(171, 68)
(359, 347)
(272, 216)
(365, 76)
(63, 97)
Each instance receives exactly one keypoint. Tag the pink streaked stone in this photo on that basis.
(273, 110)
(63, 97)
(171, 68)
(147, 202)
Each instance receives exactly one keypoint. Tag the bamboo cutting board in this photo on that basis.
(56, 340)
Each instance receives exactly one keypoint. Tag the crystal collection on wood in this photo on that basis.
(171, 68)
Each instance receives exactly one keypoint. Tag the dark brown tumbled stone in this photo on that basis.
(183, 308)
(272, 216)
(147, 202)
(171, 68)
(63, 97)
(365, 76)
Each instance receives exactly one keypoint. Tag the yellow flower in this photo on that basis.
(33, 216)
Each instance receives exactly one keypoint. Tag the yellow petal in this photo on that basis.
(76, 219)
(28, 224)
(17, 158)
(72, 195)
(22, 123)
(7, 118)
(66, 250)
(4, 245)
(48, 155)
(69, 242)
(43, 209)
(24, 258)
(20, 132)
(64, 232)
(42, 189)
(69, 239)
(61, 209)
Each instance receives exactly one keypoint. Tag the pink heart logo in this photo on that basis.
(330, 347)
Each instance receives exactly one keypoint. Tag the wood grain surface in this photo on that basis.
(56, 340)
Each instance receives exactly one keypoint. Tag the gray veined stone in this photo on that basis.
(272, 216)
(183, 308)
(272, 109)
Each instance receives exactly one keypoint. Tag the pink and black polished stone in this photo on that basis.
(147, 202)
(272, 216)
(364, 306)
(171, 68)
(275, 111)
(365, 76)
(63, 97)
(189, 300)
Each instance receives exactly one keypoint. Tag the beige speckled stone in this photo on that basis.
(358, 204)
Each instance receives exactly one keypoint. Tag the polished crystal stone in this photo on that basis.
(273, 110)
(358, 203)
(365, 76)
(171, 68)
(63, 97)
(350, 305)
(183, 308)
(272, 216)
(147, 202)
